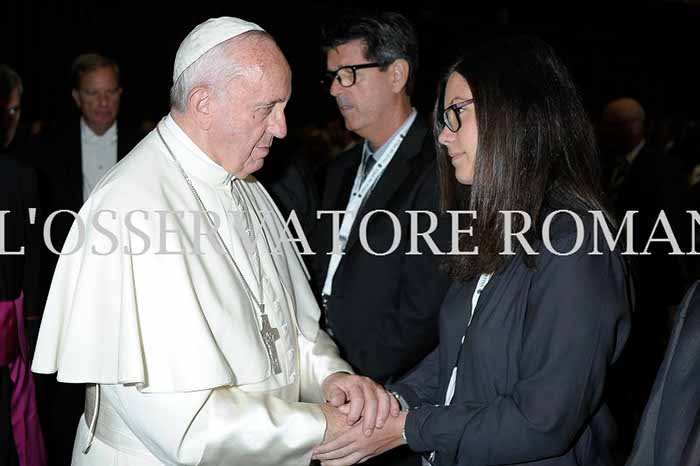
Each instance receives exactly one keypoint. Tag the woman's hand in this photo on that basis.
(354, 447)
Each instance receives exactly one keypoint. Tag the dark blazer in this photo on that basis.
(58, 162)
(669, 433)
(384, 309)
(532, 370)
(656, 182)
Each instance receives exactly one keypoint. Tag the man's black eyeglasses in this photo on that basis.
(345, 75)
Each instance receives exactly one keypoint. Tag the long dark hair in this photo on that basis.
(536, 148)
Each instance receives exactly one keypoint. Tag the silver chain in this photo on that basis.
(247, 287)
(253, 236)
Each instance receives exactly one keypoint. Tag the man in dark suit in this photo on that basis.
(645, 180)
(70, 161)
(75, 157)
(381, 303)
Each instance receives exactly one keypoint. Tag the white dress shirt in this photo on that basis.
(99, 154)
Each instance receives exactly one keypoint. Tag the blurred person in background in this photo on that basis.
(21, 441)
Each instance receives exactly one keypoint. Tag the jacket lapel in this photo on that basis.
(124, 142)
(74, 167)
(454, 333)
(338, 185)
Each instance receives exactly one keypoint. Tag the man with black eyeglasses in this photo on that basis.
(381, 303)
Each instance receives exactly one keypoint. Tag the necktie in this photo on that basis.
(368, 164)
(620, 173)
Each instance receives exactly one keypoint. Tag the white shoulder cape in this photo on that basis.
(166, 322)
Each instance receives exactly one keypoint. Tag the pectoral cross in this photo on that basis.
(269, 336)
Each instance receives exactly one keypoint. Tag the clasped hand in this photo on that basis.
(362, 420)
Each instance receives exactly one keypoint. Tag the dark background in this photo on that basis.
(647, 50)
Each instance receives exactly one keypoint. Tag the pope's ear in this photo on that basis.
(199, 104)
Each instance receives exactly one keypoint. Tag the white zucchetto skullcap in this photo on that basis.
(206, 36)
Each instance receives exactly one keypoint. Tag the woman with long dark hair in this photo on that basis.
(532, 321)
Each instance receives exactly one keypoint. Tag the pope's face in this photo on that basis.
(249, 112)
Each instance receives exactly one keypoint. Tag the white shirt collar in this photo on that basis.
(193, 159)
(90, 136)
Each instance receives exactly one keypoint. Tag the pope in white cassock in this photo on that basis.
(180, 300)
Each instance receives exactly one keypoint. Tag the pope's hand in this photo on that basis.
(353, 447)
(367, 400)
(335, 422)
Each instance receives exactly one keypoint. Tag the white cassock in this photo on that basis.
(171, 340)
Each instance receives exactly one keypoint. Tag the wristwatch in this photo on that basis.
(402, 402)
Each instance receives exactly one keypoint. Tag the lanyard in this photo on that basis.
(361, 190)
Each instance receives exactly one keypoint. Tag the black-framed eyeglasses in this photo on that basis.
(450, 117)
(345, 75)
